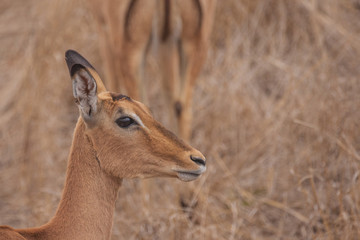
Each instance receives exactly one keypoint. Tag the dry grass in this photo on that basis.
(277, 115)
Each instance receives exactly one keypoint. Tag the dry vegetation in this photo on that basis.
(277, 113)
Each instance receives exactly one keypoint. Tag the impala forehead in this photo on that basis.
(132, 108)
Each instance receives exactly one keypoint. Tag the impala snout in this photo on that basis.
(190, 175)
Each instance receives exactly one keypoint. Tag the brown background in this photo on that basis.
(277, 114)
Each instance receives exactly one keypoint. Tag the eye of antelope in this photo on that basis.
(125, 122)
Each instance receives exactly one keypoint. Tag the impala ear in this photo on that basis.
(86, 83)
(84, 90)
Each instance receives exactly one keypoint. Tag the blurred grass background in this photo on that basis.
(276, 112)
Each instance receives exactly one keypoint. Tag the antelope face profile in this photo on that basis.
(127, 140)
(115, 137)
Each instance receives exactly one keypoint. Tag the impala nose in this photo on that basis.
(198, 160)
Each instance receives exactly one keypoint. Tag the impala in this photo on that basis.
(115, 137)
(178, 30)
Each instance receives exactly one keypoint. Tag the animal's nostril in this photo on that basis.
(198, 161)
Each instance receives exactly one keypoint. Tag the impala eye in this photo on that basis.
(125, 122)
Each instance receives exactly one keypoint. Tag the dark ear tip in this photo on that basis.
(73, 59)
(69, 59)
(69, 53)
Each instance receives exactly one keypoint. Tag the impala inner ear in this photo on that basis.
(84, 90)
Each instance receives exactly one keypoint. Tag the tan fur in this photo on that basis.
(101, 155)
(180, 30)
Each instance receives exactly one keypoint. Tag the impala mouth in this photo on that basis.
(190, 175)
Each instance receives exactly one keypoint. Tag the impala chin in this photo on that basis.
(190, 175)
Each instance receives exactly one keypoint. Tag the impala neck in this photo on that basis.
(88, 200)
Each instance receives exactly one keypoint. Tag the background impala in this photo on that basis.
(276, 110)
(176, 32)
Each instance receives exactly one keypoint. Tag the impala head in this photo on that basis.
(127, 140)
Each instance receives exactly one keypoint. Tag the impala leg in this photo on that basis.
(135, 39)
(108, 24)
(169, 64)
(124, 34)
(130, 67)
(194, 54)
(197, 20)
